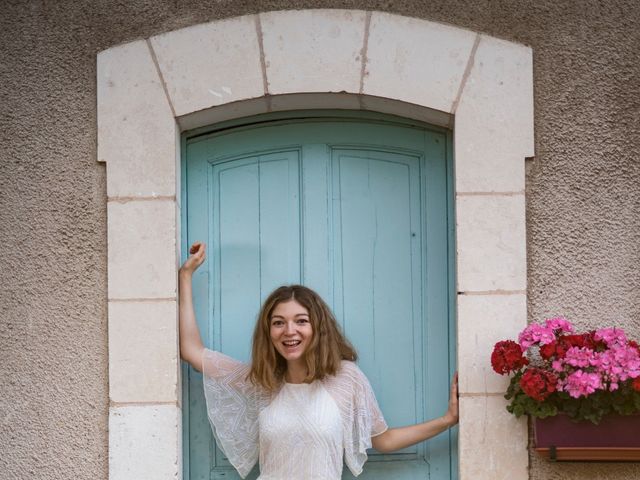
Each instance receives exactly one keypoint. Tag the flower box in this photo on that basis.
(615, 438)
(582, 390)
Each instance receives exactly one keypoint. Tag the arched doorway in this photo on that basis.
(151, 90)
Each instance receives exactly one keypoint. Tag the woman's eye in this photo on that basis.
(277, 323)
(303, 320)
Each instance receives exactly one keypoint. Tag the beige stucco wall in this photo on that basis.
(583, 192)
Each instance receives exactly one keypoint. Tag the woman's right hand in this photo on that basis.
(195, 259)
(191, 347)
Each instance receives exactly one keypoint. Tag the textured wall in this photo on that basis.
(583, 196)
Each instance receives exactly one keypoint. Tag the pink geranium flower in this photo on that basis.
(535, 334)
(559, 324)
(580, 383)
(580, 357)
(618, 364)
(611, 336)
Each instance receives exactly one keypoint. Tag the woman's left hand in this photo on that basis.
(452, 414)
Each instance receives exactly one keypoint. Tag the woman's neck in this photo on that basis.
(296, 372)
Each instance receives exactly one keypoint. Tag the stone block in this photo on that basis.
(313, 50)
(426, 59)
(484, 320)
(494, 119)
(210, 64)
(491, 243)
(136, 128)
(492, 442)
(145, 442)
(143, 351)
(142, 249)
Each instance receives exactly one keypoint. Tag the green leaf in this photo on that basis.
(518, 410)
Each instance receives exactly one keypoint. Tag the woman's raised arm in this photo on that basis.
(397, 438)
(191, 346)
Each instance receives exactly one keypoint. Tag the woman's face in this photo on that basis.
(291, 330)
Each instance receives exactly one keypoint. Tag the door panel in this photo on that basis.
(341, 207)
(254, 239)
(377, 198)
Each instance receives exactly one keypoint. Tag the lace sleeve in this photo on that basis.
(361, 416)
(233, 405)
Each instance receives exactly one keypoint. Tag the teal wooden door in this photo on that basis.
(357, 210)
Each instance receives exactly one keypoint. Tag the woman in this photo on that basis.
(302, 406)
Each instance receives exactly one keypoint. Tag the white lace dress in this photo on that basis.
(302, 431)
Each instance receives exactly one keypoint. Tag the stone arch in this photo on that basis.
(151, 90)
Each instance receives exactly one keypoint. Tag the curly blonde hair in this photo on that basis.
(327, 349)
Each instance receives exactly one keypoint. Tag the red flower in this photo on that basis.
(577, 341)
(554, 349)
(507, 357)
(559, 348)
(549, 350)
(634, 344)
(636, 384)
(538, 384)
(592, 343)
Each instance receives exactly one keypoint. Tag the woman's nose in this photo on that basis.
(289, 328)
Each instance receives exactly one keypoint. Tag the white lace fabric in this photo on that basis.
(298, 432)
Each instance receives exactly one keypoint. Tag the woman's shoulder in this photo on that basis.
(349, 367)
(217, 364)
(220, 357)
(347, 377)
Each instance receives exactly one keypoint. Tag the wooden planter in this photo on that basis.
(616, 438)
